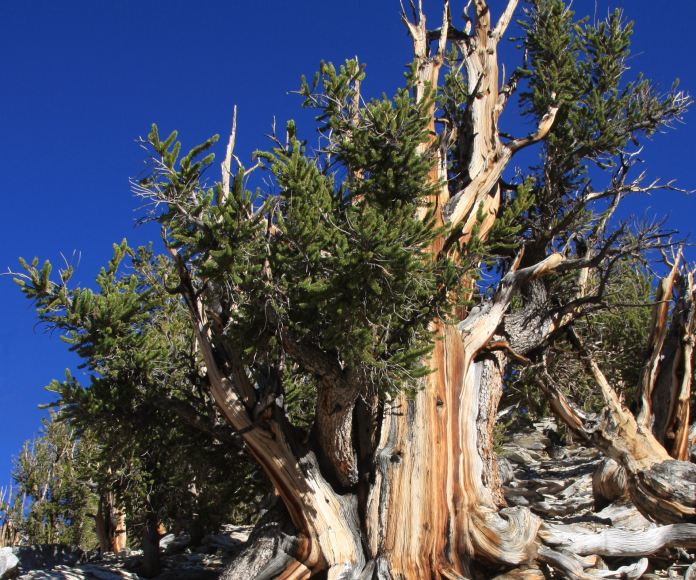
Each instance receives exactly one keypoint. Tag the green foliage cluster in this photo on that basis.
(581, 67)
(348, 268)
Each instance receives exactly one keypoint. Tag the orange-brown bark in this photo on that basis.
(119, 540)
(672, 386)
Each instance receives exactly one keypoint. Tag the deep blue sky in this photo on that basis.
(81, 80)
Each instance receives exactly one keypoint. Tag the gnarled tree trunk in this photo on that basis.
(429, 503)
(150, 543)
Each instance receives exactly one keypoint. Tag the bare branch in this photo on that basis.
(561, 406)
(545, 124)
(504, 19)
(504, 345)
(226, 165)
(444, 31)
(412, 26)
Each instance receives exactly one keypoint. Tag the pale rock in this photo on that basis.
(8, 563)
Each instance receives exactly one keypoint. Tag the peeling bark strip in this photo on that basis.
(671, 390)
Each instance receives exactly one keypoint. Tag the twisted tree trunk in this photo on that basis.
(428, 499)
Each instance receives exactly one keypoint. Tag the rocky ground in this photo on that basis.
(180, 560)
(554, 479)
(551, 477)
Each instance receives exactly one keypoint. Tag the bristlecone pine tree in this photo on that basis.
(345, 327)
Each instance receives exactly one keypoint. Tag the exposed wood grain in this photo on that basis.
(672, 390)
(620, 543)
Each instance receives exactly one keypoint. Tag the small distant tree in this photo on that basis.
(51, 472)
(11, 516)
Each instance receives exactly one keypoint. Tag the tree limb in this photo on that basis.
(226, 165)
(504, 19)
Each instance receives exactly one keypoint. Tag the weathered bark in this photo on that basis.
(120, 538)
(573, 567)
(270, 550)
(672, 391)
(662, 489)
(334, 429)
(434, 505)
(102, 529)
(621, 543)
(608, 484)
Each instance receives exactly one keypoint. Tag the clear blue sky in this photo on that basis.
(81, 80)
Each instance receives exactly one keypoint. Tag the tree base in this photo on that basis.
(554, 482)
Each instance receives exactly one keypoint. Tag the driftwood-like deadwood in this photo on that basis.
(672, 382)
(665, 386)
(663, 489)
(620, 543)
(573, 567)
